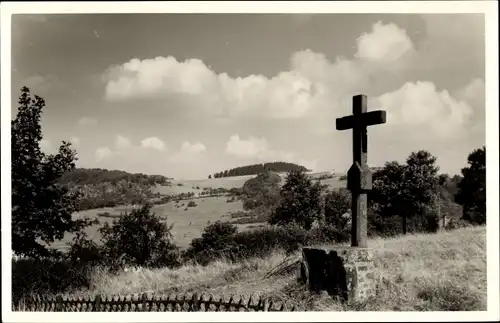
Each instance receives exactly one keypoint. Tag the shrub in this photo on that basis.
(217, 240)
(300, 201)
(262, 190)
(337, 203)
(46, 276)
(192, 204)
(261, 242)
(140, 238)
(247, 220)
(238, 214)
(84, 252)
(383, 226)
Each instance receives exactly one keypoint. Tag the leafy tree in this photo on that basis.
(409, 191)
(41, 207)
(301, 201)
(140, 238)
(261, 191)
(337, 204)
(472, 188)
(209, 176)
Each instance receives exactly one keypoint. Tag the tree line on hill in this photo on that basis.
(94, 176)
(99, 188)
(256, 169)
(405, 198)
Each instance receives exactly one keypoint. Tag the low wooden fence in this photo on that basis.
(148, 303)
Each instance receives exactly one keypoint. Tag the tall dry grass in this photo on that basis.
(425, 272)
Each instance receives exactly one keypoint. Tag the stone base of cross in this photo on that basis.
(349, 273)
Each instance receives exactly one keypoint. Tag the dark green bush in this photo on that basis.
(261, 242)
(216, 241)
(140, 238)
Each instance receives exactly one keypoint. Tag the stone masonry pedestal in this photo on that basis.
(344, 272)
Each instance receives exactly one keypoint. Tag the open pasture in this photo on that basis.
(188, 222)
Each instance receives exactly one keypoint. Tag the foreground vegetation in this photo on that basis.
(424, 272)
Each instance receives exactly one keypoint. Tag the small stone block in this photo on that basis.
(345, 272)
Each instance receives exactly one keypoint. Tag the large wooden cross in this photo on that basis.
(359, 176)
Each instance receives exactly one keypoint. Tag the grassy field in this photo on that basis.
(188, 224)
(427, 272)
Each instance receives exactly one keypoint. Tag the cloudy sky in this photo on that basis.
(187, 95)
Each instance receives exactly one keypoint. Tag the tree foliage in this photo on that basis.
(337, 205)
(108, 188)
(94, 176)
(41, 208)
(140, 238)
(408, 191)
(472, 188)
(261, 191)
(301, 201)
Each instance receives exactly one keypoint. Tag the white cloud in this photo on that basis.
(283, 96)
(102, 153)
(420, 104)
(86, 121)
(75, 141)
(122, 142)
(195, 148)
(154, 143)
(385, 43)
(311, 84)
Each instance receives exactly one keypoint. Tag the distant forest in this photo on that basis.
(108, 188)
(94, 176)
(259, 168)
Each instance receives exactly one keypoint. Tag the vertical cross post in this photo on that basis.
(359, 176)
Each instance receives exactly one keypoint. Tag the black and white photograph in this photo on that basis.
(249, 161)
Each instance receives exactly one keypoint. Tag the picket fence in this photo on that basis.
(148, 303)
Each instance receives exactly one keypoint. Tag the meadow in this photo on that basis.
(188, 222)
(424, 272)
